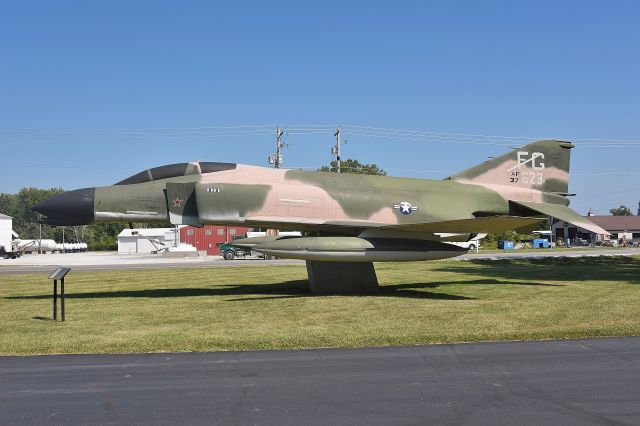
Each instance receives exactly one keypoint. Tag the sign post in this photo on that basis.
(58, 274)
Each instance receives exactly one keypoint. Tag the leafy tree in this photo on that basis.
(491, 240)
(621, 211)
(638, 208)
(25, 221)
(355, 167)
(9, 205)
(18, 206)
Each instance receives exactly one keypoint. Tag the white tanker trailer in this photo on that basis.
(30, 246)
(34, 246)
(71, 247)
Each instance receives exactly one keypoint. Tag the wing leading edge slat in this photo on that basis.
(479, 225)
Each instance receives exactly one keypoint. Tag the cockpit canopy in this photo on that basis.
(179, 169)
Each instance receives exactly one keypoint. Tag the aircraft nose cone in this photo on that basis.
(68, 208)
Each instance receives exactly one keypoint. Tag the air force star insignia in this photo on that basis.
(177, 202)
(405, 207)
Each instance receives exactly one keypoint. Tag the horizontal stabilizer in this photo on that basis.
(479, 225)
(564, 213)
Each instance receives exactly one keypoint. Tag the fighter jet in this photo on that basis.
(349, 220)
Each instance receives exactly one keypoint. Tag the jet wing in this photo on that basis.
(478, 225)
(563, 213)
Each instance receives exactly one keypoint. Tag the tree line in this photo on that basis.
(624, 211)
(25, 221)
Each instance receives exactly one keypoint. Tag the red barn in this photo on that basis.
(209, 237)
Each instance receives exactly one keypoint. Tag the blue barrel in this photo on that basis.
(505, 245)
(541, 243)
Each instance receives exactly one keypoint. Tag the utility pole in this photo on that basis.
(276, 159)
(279, 146)
(336, 149)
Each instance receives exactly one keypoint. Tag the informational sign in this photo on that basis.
(59, 273)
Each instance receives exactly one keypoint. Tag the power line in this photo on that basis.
(471, 141)
(429, 140)
(605, 174)
(610, 193)
(325, 127)
(480, 136)
(429, 133)
(310, 129)
(160, 129)
(34, 166)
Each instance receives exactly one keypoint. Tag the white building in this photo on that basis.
(620, 227)
(6, 233)
(145, 240)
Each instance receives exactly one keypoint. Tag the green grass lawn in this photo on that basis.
(248, 308)
(551, 250)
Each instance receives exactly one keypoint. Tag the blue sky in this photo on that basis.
(92, 92)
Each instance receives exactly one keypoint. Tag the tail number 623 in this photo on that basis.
(532, 178)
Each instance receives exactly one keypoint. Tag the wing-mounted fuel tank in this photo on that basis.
(357, 249)
(181, 204)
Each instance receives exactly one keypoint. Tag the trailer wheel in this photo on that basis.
(229, 255)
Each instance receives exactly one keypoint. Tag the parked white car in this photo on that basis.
(470, 245)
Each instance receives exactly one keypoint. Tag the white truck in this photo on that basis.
(8, 244)
(471, 245)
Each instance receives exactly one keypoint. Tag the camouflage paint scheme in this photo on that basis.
(515, 191)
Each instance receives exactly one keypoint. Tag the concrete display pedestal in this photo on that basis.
(342, 277)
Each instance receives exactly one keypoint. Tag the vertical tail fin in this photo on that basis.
(542, 165)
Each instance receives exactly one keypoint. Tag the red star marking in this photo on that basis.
(177, 202)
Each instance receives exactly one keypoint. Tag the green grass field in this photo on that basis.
(248, 308)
